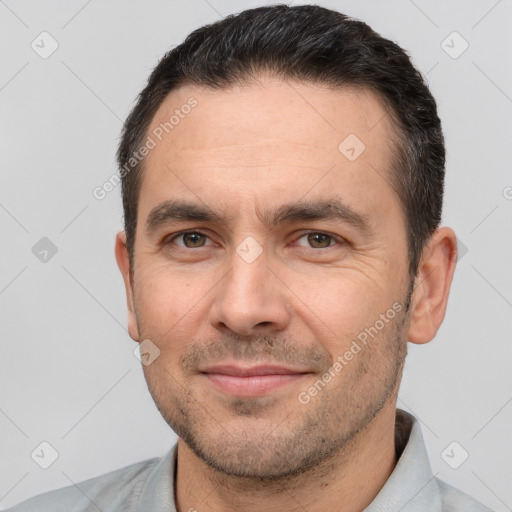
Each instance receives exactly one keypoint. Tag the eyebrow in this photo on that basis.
(176, 210)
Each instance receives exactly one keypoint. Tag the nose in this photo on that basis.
(251, 299)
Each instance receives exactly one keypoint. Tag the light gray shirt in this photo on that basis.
(147, 486)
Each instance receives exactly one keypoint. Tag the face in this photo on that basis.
(280, 315)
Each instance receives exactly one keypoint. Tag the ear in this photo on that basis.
(432, 285)
(123, 263)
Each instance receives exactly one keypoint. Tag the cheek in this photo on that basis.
(340, 306)
(169, 301)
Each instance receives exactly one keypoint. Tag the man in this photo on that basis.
(282, 188)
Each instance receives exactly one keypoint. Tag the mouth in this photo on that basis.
(244, 381)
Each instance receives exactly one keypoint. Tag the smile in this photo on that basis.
(251, 382)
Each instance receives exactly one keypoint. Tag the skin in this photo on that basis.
(301, 302)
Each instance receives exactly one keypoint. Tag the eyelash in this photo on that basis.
(338, 240)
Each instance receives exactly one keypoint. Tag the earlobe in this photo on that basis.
(432, 286)
(123, 262)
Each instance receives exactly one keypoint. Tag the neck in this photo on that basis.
(349, 481)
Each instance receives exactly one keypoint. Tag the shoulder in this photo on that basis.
(121, 486)
(454, 500)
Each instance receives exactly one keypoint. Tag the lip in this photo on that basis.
(251, 381)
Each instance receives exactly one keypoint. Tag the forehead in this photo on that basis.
(312, 115)
(270, 134)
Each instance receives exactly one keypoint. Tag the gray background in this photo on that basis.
(68, 375)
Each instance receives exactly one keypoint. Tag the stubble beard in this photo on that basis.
(306, 439)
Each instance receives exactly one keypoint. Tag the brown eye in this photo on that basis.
(190, 240)
(194, 239)
(318, 240)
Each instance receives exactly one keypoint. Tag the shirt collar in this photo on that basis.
(158, 493)
(410, 487)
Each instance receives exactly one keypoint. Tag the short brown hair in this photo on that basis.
(311, 44)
